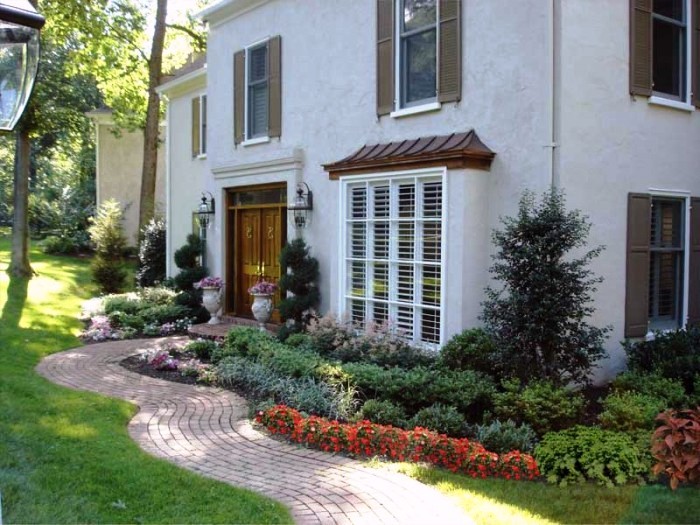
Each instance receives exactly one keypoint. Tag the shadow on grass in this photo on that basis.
(16, 299)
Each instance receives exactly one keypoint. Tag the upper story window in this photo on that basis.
(419, 55)
(199, 126)
(257, 92)
(664, 51)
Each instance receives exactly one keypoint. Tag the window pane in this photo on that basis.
(405, 283)
(669, 8)
(432, 199)
(380, 283)
(258, 110)
(406, 241)
(419, 62)
(430, 326)
(258, 64)
(666, 230)
(407, 200)
(357, 279)
(432, 241)
(253, 197)
(358, 240)
(381, 202)
(419, 13)
(358, 203)
(381, 240)
(669, 58)
(431, 285)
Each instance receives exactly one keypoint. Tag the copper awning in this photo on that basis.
(459, 150)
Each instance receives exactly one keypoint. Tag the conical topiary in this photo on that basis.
(299, 276)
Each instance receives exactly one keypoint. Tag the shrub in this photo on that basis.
(473, 349)
(541, 404)
(243, 341)
(187, 260)
(676, 446)
(328, 333)
(298, 340)
(163, 313)
(152, 250)
(290, 362)
(123, 320)
(156, 295)
(539, 316)
(126, 303)
(441, 419)
(629, 411)
(299, 276)
(653, 385)
(589, 453)
(62, 245)
(674, 355)
(383, 413)
(502, 437)
(202, 348)
(107, 235)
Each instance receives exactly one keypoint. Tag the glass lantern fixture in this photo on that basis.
(206, 210)
(20, 25)
(302, 207)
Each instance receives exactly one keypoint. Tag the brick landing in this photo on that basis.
(219, 331)
(205, 430)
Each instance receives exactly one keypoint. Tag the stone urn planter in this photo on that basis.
(262, 308)
(211, 300)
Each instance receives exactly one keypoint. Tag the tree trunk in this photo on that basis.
(150, 133)
(19, 262)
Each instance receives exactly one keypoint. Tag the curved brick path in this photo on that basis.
(205, 430)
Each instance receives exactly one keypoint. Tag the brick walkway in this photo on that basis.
(205, 430)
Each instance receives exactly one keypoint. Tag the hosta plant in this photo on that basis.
(676, 446)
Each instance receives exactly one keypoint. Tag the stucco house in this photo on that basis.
(416, 124)
(119, 161)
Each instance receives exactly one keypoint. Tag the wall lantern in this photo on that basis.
(303, 205)
(205, 210)
(19, 58)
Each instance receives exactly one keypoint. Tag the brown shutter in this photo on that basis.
(694, 264)
(274, 107)
(637, 286)
(385, 57)
(695, 53)
(640, 47)
(239, 97)
(195, 127)
(450, 59)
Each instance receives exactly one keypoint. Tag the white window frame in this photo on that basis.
(684, 196)
(261, 139)
(421, 106)
(667, 99)
(390, 177)
(202, 126)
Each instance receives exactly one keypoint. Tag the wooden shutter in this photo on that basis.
(385, 57)
(450, 49)
(637, 285)
(695, 52)
(239, 97)
(274, 106)
(196, 116)
(640, 47)
(694, 264)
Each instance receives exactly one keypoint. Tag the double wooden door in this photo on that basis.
(260, 234)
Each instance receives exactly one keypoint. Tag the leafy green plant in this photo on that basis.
(299, 277)
(383, 413)
(187, 260)
(202, 348)
(126, 303)
(163, 313)
(107, 235)
(441, 419)
(541, 404)
(539, 315)
(328, 333)
(652, 384)
(629, 411)
(152, 250)
(243, 341)
(473, 349)
(676, 446)
(583, 453)
(501, 437)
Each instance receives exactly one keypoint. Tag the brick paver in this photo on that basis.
(205, 430)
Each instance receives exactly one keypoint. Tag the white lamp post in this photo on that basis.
(19, 57)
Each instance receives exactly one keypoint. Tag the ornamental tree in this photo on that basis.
(300, 273)
(539, 315)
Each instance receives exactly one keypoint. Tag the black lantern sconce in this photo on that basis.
(303, 205)
(206, 209)
(20, 25)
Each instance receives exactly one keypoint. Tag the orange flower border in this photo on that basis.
(418, 445)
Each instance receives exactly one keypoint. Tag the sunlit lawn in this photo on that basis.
(65, 456)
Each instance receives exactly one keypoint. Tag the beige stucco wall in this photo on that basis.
(119, 164)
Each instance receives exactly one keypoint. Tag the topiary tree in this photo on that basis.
(107, 235)
(299, 276)
(187, 260)
(539, 317)
(151, 270)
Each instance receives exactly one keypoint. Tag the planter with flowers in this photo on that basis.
(211, 296)
(262, 293)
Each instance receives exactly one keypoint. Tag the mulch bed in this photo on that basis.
(136, 364)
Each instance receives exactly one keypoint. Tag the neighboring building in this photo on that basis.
(464, 104)
(119, 165)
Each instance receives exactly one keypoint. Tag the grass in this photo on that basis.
(65, 456)
(498, 501)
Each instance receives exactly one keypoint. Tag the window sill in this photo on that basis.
(413, 110)
(203, 156)
(670, 103)
(256, 140)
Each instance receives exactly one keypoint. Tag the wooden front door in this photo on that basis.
(259, 233)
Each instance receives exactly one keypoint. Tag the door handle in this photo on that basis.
(249, 232)
(270, 232)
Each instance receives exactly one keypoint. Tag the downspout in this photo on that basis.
(553, 50)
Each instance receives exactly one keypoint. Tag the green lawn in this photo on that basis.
(65, 456)
(502, 502)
